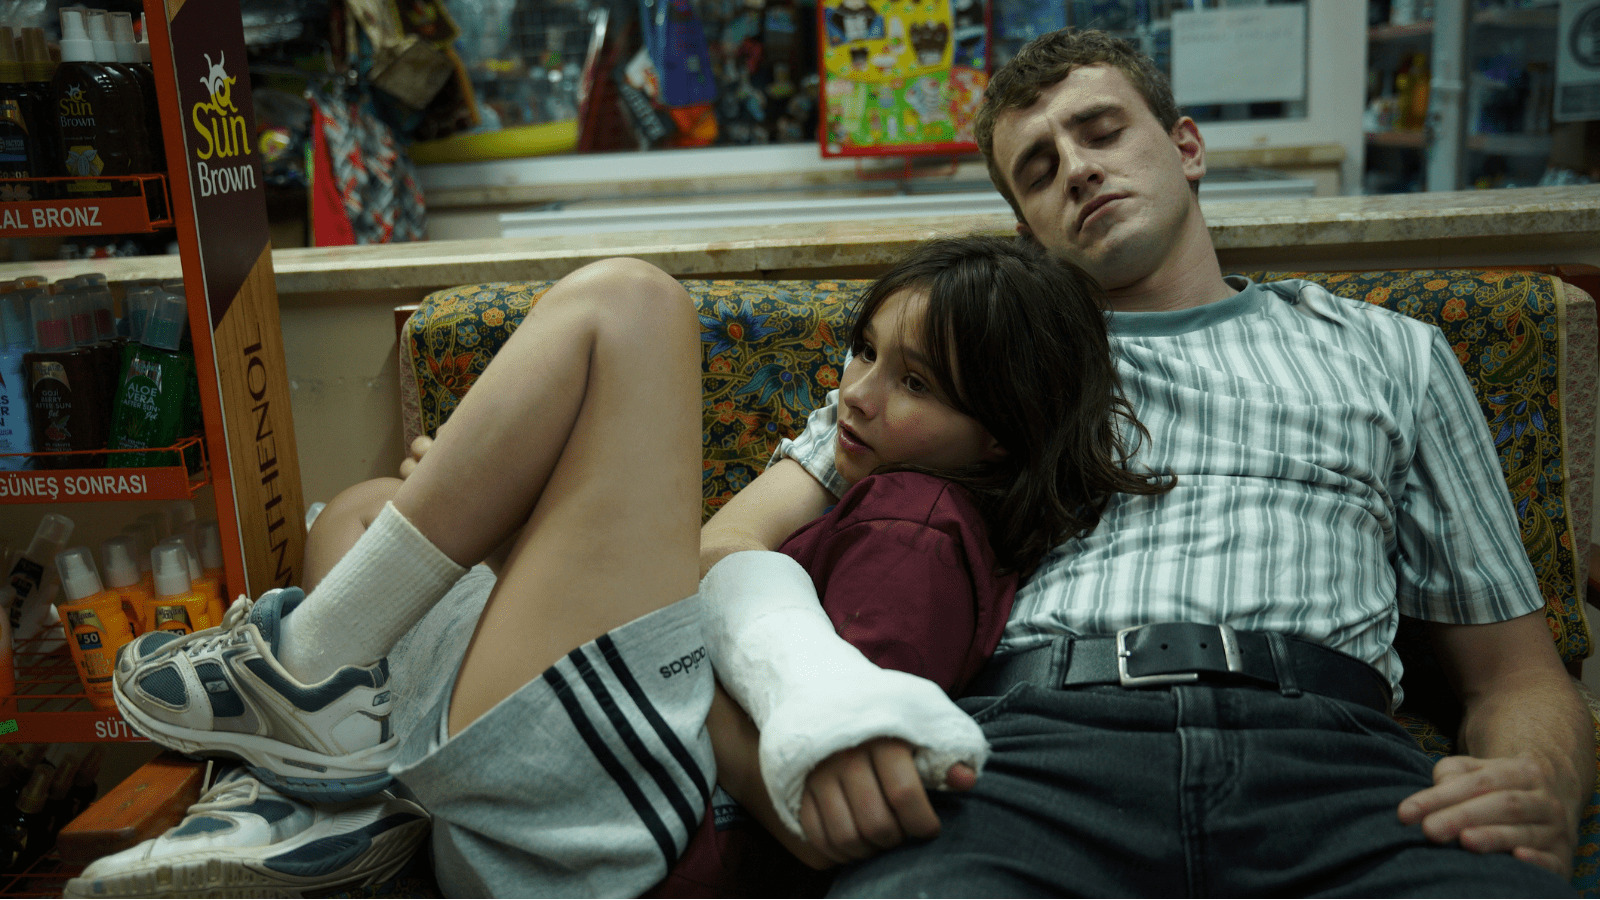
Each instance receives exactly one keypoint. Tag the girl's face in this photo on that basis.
(891, 410)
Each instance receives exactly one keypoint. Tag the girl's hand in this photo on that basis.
(862, 801)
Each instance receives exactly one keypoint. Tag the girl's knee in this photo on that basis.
(360, 503)
(629, 291)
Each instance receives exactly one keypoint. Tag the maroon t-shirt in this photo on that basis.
(906, 574)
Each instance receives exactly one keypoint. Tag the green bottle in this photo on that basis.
(151, 397)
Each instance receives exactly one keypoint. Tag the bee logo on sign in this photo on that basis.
(222, 151)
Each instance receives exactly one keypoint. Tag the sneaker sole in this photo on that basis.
(214, 876)
(300, 773)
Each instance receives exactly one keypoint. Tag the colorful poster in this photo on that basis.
(901, 77)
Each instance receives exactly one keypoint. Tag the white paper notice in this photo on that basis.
(1578, 62)
(1250, 55)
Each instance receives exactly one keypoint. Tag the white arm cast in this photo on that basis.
(810, 693)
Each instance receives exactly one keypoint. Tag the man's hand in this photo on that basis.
(862, 801)
(1505, 805)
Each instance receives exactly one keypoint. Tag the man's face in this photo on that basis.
(1099, 181)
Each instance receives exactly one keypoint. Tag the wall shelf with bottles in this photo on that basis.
(72, 207)
(92, 485)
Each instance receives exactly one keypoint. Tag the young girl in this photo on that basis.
(563, 748)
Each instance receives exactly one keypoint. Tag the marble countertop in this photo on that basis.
(1358, 224)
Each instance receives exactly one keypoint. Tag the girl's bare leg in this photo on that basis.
(585, 434)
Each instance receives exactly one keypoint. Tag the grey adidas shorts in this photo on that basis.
(588, 781)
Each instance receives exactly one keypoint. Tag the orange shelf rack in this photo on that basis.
(46, 877)
(88, 484)
(74, 207)
(50, 706)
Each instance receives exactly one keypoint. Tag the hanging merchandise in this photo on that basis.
(677, 45)
(363, 189)
(901, 77)
(667, 87)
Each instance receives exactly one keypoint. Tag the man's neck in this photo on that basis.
(1190, 276)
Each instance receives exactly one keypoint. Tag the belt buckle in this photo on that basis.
(1230, 653)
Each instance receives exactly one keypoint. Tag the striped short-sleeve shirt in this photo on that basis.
(1333, 470)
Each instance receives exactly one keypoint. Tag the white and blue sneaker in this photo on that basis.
(221, 692)
(245, 839)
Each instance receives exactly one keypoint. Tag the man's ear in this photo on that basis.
(1191, 148)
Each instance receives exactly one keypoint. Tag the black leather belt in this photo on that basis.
(1184, 653)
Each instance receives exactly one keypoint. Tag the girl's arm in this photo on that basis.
(766, 511)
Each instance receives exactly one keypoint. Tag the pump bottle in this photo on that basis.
(98, 111)
(63, 388)
(37, 70)
(177, 606)
(150, 404)
(209, 537)
(94, 622)
(16, 428)
(18, 146)
(118, 557)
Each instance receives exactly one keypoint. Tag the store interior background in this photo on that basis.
(511, 110)
(484, 100)
(508, 118)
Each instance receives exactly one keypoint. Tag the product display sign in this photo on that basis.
(901, 77)
(215, 171)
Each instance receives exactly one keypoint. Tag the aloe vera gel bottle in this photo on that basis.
(149, 409)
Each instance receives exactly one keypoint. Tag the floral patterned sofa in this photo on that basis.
(772, 350)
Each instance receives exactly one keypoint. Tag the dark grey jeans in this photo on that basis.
(1188, 791)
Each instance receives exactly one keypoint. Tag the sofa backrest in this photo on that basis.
(773, 349)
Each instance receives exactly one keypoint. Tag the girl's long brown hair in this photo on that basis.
(1018, 341)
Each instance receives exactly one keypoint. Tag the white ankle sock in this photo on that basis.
(382, 587)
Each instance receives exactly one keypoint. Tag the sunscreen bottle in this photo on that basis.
(120, 25)
(117, 561)
(16, 340)
(37, 71)
(198, 582)
(19, 150)
(99, 111)
(94, 623)
(177, 606)
(209, 537)
(145, 540)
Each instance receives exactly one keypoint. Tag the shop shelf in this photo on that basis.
(1399, 32)
(1511, 144)
(49, 705)
(87, 485)
(1547, 16)
(1416, 138)
(75, 207)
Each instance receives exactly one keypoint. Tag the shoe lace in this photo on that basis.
(227, 795)
(234, 621)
